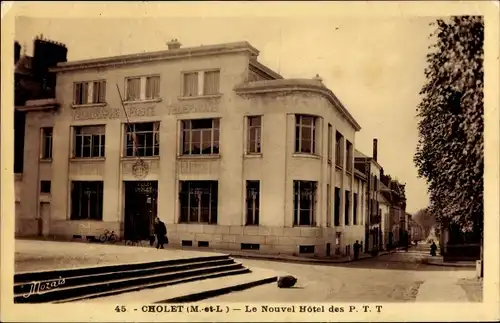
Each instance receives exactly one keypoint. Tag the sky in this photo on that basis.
(375, 66)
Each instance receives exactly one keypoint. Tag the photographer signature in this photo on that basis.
(39, 288)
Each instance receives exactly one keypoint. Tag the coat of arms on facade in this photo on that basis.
(140, 169)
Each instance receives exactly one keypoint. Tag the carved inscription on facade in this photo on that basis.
(194, 107)
(196, 167)
(103, 113)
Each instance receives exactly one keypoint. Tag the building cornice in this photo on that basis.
(39, 105)
(296, 85)
(360, 175)
(157, 56)
(368, 159)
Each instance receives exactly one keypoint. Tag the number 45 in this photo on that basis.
(120, 309)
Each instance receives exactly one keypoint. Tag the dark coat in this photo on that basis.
(160, 229)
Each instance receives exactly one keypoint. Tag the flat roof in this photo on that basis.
(182, 52)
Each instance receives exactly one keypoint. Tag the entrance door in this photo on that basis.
(140, 209)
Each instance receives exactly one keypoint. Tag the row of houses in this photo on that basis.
(224, 150)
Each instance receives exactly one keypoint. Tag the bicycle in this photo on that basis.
(108, 236)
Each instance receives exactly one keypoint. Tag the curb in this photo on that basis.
(304, 260)
(448, 264)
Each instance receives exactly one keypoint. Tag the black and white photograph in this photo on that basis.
(235, 164)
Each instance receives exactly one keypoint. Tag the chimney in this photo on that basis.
(375, 149)
(174, 44)
(17, 52)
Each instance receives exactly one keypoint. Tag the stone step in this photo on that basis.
(193, 291)
(104, 280)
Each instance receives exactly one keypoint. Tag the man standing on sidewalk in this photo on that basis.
(356, 248)
(160, 232)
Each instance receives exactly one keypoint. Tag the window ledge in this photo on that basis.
(208, 96)
(306, 226)
(338, 167)
(46, 160)
(199, 156)
(348, 171)
(133, 158)
(253, 155)
(251, 225)
(89, 105)
(86, 159)
(306, 155)
(143, 101)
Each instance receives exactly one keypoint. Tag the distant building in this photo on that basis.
(223, 149)
(416, 231)
(373, 224)
(395, 198)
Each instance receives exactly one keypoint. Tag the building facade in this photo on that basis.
(224, 150)
(372, 170)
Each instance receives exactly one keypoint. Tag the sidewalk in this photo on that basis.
(333, 260)
(441, 290)
(36, 255)
(24, 244)
(438, 261)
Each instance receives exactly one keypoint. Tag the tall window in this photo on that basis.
(46, 152)
(201, 83)
(89, 92)
(142, 139)
(254, 134)
(253, 202)
(330, 138)
(198, 202)
(328, 205)
(89, 141)
(347, 206)
(337, 207)
(348, 154)
(305, 134)
(339, 156)
(86, 200)
(143, 88)
(304, 203)
(355, 209)
(200, 137)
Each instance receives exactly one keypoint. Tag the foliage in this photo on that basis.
(450, 148)
(426, 220)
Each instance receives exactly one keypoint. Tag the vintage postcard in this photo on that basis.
(250, 161)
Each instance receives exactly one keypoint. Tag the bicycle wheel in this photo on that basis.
(103, 237)
(113, 238)
(129, 243)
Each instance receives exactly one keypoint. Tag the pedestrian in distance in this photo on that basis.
(433, 249)
(356, 247)
(160, 232)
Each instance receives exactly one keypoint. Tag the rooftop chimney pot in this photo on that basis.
(174, 44)
(375, 149)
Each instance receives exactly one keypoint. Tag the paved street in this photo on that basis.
(398, 277)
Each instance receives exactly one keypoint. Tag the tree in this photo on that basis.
(450, 149)
(426, 220)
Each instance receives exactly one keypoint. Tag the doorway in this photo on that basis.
(140, 209)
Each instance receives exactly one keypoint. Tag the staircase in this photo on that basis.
(68, 285)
